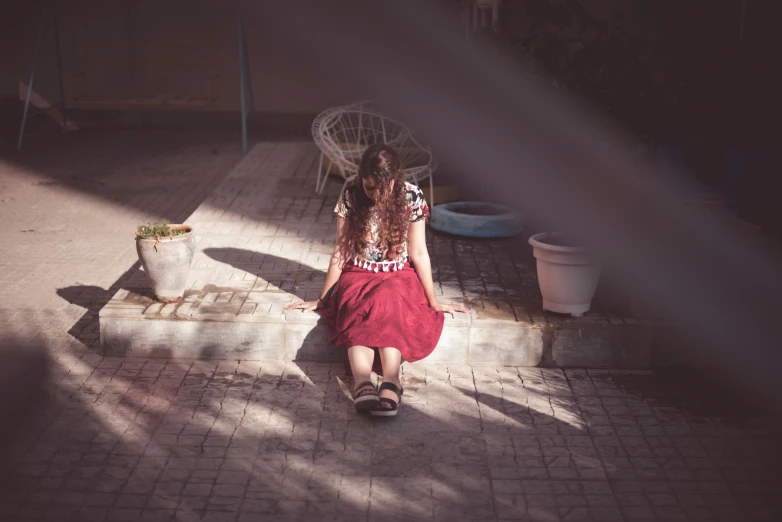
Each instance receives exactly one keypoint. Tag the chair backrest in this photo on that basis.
(343, 134)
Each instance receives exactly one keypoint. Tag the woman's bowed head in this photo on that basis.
(378, 297)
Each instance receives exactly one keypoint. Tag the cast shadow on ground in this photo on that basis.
(168, 439)
(93, 299)
(289, 277)
(165, 439)
(296, 278)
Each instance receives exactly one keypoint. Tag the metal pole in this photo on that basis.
(248, 72)
(32, 76)
(241, 81)
(59, 64)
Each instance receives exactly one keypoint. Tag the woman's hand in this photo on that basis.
(304, 306)
(450, 309)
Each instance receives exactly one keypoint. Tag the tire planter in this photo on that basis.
(166, 262)
(473, 219)
(567, 274)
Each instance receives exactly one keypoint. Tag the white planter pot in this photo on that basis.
(567, 275)
(166, 262)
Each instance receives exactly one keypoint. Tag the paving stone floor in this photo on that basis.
(116, 439)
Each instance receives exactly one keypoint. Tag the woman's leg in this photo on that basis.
(361, 358)
(392, 363)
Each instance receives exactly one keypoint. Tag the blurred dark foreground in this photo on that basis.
(23, 371)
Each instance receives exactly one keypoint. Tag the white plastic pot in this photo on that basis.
(567, 274)
(166, 262)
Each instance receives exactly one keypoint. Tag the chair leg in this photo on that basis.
(320, 170)
(325, 176)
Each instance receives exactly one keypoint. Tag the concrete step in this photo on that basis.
(235, 323)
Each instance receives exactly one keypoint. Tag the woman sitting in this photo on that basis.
(378, 297)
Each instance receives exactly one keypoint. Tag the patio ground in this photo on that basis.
(121, 438)
(264, 239)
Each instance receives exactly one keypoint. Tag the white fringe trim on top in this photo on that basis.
(385, 266)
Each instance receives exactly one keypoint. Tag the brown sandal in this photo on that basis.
(365, 399)
(380, 411)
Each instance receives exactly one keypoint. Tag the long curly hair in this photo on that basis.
(379, 165)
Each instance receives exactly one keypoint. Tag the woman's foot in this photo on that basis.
(365, 396)
(389, 400)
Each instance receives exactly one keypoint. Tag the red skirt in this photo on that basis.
(380, 310)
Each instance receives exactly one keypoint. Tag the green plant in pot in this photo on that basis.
(166, 253)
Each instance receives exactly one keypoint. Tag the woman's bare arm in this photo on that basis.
(419, 255)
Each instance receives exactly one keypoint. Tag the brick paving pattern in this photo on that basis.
(232, 440)
(264, 240)
(154, 439)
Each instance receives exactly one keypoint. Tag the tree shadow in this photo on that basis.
(147, 438)
(183, 439)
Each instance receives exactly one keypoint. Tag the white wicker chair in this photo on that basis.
(317, 137)
(343, 133)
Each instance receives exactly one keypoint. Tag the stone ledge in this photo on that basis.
(132, 324)
(228, 304)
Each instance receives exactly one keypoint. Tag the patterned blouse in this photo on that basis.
(373, 258)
